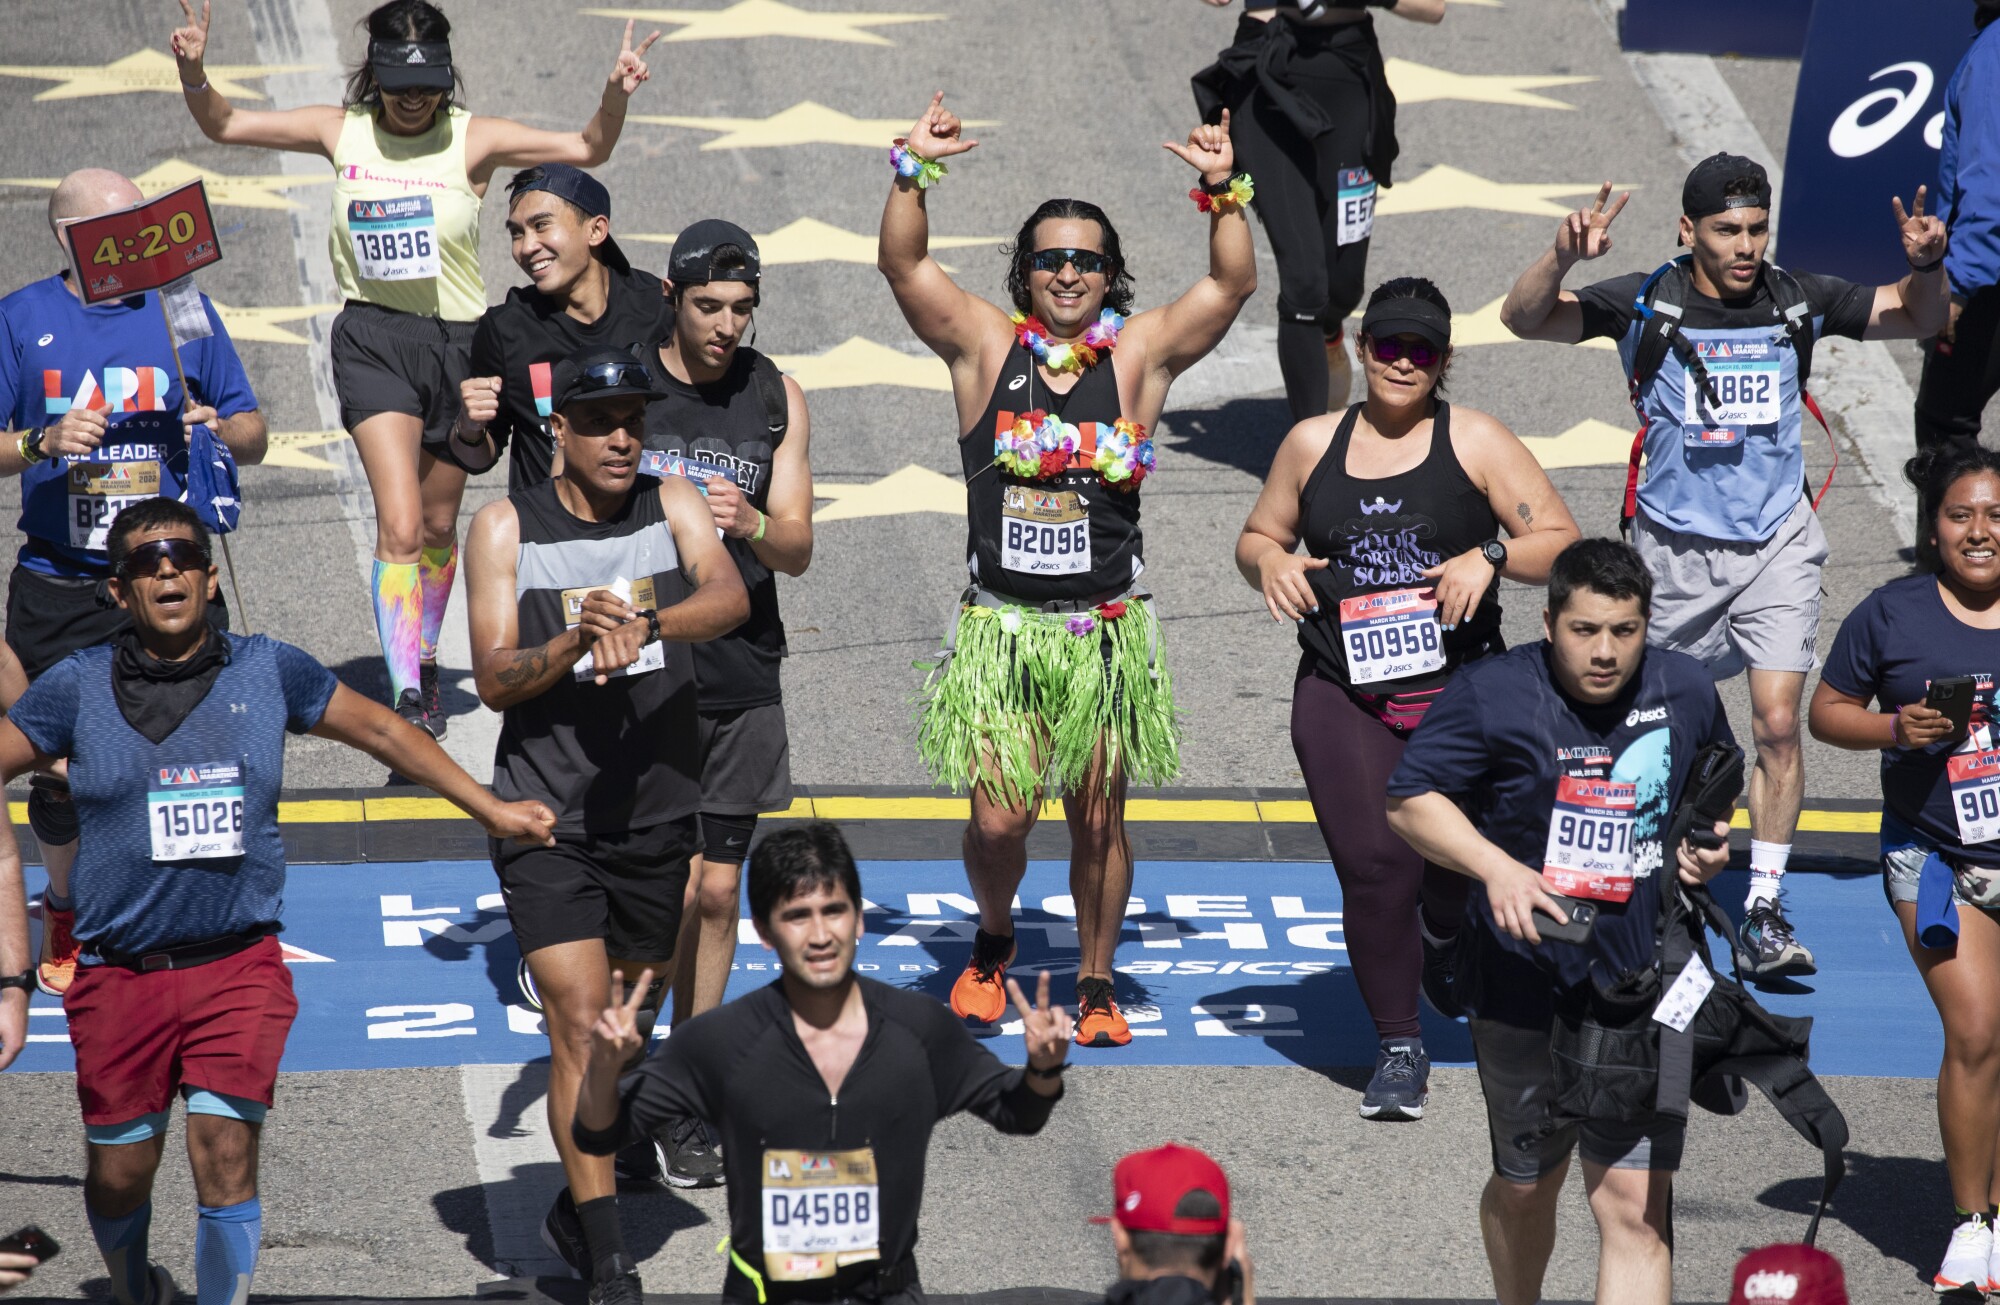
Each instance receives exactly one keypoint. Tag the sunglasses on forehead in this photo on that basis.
(1087, 261)
(143, 562)
(611, 376)
(1420, 353)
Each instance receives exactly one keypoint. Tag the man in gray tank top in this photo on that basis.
(586, 591)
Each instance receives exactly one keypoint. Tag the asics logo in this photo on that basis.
(44, 341)
(1850, 137)
(1641, 717)
(1017, 382)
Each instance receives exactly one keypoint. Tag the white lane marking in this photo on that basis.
(505, 1106)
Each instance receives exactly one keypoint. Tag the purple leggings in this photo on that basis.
(1347, 755)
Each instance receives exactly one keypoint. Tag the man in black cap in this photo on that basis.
(585, 591)
(1717, 346)
(584, 294)
(734, 426)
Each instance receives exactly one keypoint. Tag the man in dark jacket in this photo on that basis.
(1176, 1243)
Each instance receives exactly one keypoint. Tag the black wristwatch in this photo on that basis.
(652, 615)
(25, 979)
(1054, 1071)
(1220, 187)
(1495, 552)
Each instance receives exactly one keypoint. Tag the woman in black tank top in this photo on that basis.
(1400, 502)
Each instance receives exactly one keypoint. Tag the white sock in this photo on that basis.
(1767, 868)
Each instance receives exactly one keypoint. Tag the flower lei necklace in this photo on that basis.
(1058, 356)
(1040, 446)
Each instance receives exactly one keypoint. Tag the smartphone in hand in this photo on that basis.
(1576, 929)
(32, 1241)
(1953, 695)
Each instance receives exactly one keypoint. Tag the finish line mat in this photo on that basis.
(1221, 963)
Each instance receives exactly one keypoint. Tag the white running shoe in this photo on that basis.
(1968, 1260)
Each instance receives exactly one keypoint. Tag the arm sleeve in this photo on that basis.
(223, 383)
(664, 1087)
(46, 713)
(1843, 307)
(1447, 754)
(1852, 664)
(1607, 306)
(307, 686)
(968, 1077)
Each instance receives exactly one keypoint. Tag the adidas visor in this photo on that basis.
(410, 65)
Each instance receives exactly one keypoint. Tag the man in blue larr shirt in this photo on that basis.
(175, 733)
(1552, 769)
(96, 420)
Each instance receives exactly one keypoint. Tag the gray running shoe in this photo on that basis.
(1401, 1084)
(691, 1155)
(618, 1284)
(1766, 948)
(410, 706)
(427, 692)
(162, 1284)
(562, 1233)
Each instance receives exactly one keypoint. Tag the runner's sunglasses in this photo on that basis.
(143, 562)
(1420, 353)
(1051, 260)
(612, 375)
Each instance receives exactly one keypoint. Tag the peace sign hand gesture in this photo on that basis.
(630, 69)
(935, 135)
(1208, 151)
(191, 42)
(1046, 1029)
(614, 1038)
(1586, 233)
(1924, 238)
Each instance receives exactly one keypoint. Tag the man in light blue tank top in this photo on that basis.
(1717, 348)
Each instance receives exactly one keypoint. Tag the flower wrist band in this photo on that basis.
(1232, 194)
(909, 163)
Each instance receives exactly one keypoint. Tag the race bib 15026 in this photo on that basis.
(822, 1211)
(195, 813)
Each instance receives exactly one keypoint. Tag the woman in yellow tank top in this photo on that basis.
(411, 166)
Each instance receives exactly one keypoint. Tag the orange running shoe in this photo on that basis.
(59, 949)
(1099, 1022)
(981, 992)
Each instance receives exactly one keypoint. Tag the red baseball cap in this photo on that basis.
(1788, 1274)
(1148, 1187)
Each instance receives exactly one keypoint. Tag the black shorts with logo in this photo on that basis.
(389, 361)
(624, 888)
(49, 616)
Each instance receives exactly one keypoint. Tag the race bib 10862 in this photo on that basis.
(1589, 852)
(195, 813)
(822, 1211)
(1745, 388)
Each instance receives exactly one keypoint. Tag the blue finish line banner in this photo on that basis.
(1220, 964)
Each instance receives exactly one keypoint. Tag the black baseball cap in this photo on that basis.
(1408, 316)
(693, 257)
(411, 65)
(1701, 193)
(600, 373)
(580, 189)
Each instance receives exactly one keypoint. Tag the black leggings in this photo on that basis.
(1320, 280)
(1960, 377)
(1347, 755)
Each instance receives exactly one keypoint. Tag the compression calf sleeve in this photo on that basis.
(1767, 868)
(122, 1242)
(399, 622)
(436, 567)
(226, 1238)
(602, 1237)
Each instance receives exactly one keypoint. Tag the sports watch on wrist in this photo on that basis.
(30, 446)
(24, 980)
(1495, 552)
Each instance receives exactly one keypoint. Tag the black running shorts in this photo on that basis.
(49, 617)
(746, 761)
(624, 888)
(386, 361)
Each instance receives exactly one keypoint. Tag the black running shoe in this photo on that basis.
(1401, 1084)
(1440, 976)
(1766, 948)
(637, 1162)
(692, 1159)
(562, 1232)
(617, 1282)
(427, 692)
(410, 706)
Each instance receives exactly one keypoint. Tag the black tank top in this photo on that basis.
(724, 429)
(1381, 535)
(612, 757)
(1070, 536)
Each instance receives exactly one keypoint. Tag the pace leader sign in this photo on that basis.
(1866, 124)
(146, 247)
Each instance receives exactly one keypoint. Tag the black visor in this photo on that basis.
(410, 65)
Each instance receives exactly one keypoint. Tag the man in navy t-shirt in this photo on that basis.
(1553, 769)
(96, 420)
(177, 734)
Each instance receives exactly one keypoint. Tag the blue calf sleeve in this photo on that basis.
(123, 1243)
(225, 1251)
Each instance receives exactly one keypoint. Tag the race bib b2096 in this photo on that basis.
(1044, 531)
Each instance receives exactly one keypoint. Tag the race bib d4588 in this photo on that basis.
(1589, 852)
(822, 1211)
(195, 813)
(1390, 635)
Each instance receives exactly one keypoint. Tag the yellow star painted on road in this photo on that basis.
(224, 191)
(809, 240)
(1483, 326)
(1445, 187)
(913, 489)
(1590, 443)
(855, 361)
(805, 123)
(147, 70)
(750, 18)
(287, 449)
(1414, 83)
(263, 324)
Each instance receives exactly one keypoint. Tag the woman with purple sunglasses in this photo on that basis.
(1400, 501)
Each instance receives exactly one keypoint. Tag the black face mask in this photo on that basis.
(155, 696)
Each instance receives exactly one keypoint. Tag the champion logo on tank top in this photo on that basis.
(358, 172)
(1387, 547)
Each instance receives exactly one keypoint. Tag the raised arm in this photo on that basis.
(503, 143)
(311, 129)
(782, 538)
(1915, 307)
(951, 321)
(1266, 550)
(1180, 333)
(1538, 308)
